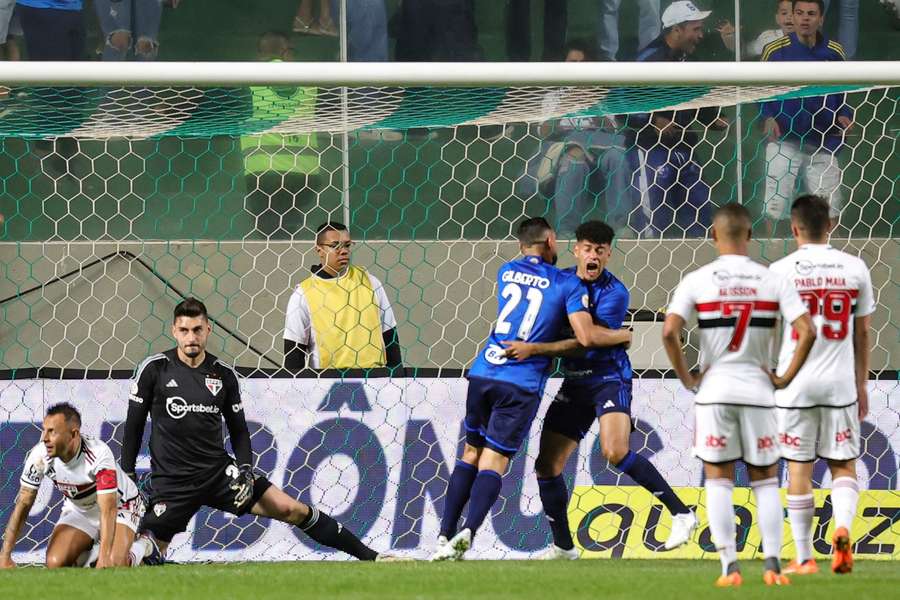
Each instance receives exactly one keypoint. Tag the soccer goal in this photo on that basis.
(127, 187)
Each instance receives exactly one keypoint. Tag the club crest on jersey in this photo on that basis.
(159, 508)
(214, 385)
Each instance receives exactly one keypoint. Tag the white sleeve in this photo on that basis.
(683, 302)
(33, 473)
(789, 302)
(387, 313)
(296, 318)
(865, 302)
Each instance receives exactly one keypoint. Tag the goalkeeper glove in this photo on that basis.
(142, 482)
(243, 486)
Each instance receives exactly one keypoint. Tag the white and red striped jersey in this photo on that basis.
(737, 302)
(91, 471)
(836, 288)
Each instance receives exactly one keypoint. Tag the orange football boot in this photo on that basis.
(807, 567)
(842, 561)
(731, 580)
(773, 578)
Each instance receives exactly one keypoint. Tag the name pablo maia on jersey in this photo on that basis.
(526, 279)
(820, 281)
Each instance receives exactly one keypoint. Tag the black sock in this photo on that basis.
(555, 498)
(645, 474)
(328, 532)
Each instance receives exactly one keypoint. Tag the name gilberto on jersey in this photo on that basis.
(525, 279)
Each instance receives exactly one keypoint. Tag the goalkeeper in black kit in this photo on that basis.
(187, 391)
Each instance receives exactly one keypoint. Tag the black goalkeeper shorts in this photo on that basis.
(170, 511)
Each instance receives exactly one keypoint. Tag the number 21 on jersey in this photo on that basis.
(512, 293)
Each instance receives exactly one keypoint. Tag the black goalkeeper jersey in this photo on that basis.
(186, 407)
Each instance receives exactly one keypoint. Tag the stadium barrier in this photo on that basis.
(377, 454)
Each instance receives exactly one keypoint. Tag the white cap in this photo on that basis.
(682, 12)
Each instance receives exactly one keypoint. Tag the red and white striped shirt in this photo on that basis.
(836, 288)
(737, 302)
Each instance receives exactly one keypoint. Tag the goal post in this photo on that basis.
(125, 187)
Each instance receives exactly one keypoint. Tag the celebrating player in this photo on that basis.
(504, 395)
(100, 503)
(822, 403)
(187, 391)
(596, 385)
(736, 302)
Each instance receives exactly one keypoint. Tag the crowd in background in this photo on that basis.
(643, 167)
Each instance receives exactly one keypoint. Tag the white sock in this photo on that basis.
(770, 515)
(844, 496)
(138, 551)
(800, 512)
(720, 513)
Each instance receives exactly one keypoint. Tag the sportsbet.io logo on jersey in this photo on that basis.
(177, 407)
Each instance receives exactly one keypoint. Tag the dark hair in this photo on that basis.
(533, 231)
(73, 417)
(811, 213)
(738, 219)
(819, 3)
(326, 227)
(595, 232)
(586, 47)
(272, 41)
(190, 307)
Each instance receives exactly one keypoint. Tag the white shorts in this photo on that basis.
(88, 521)
(836, 429)
(727, 432)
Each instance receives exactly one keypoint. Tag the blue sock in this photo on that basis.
(458, 489)
(485, 492)
(555, 498)
(645, 474)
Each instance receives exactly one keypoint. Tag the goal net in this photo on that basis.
(120, 199)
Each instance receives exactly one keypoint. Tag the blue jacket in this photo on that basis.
(648, 137)
(810, 121)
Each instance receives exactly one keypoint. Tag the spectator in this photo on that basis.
(280, 170)
(124, 20)
(54, 29)
(436, 30)
(339, 317)
(304, 22)
(784, 11)
(518, 29)
(804, 134)
(367, 38)
(608, 26)
(848, 25)
(579, 158)
(670, 182)
(10, 29)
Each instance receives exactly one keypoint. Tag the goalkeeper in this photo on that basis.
(187, 392)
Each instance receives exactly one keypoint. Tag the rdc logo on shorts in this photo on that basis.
(787, 439)
(713, 441)
(843, 436)
(765, 443)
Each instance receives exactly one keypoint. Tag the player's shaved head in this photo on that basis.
(535, 230)
(273, 44)
(190, 307)
(732, 222)
(819, 3)
(324, 228)
(69, 413)
(810, 214)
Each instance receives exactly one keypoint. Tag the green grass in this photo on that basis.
(519, 580)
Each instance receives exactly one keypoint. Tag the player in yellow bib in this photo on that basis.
(339, 317)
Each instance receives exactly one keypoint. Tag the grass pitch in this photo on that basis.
(513, 580)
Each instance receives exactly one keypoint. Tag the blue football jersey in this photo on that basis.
(608, 305)
(533, 304)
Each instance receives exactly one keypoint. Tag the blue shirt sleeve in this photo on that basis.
(612, 306)
(576, 295)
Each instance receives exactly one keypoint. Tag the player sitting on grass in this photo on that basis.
(100, 503)
(597, 384)
(187, 392)
(828, 398)
(535, 300)
(736, 302)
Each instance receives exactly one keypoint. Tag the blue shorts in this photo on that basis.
(578, 405)
(498, 415)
